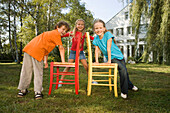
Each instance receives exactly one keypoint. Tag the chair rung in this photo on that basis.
(61, 73)
(103, 67)
(102, 84)
(101, 80)
(104, 75)
(100, 72)
(65, 80)
(62, 83)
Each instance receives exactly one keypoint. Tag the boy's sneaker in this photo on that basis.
(38, 96)
(135, 88)
(124, 96)
(60, 85)
(22, 93)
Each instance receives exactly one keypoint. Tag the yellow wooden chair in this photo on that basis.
(93, 73)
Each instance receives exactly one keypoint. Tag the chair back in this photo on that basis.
(89, 51)
(79, 35)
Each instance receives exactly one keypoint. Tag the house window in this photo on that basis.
(143, 28)
(119, 41)
(141, 39)
(126, 15)
(119, 31)
(122, 31)
(129, 30)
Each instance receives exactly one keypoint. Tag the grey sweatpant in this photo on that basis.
(31, 65)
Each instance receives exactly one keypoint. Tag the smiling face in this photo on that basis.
(99, 29)
(62, 30)
(80, 26)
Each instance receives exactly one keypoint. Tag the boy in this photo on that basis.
(34, 53)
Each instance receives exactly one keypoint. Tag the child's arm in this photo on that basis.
(62, 52)
(109, 43)
(114, 41)
(92, 38)
(67, 34)
(45, 61)
(96, 54)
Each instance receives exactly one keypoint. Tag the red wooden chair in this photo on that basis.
(57, 75)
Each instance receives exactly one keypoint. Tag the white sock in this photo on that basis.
(37, 92)
(23, 91)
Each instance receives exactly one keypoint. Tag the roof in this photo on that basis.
(118, 12)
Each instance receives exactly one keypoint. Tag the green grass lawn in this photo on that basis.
(153, 96)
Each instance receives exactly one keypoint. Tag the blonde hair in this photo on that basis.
(75, 28)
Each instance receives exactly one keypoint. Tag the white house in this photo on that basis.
(121, 27)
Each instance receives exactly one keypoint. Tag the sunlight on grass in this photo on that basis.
(153, 68)
(8, 63)
(8, 87)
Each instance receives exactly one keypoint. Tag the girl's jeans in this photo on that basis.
(125, 83)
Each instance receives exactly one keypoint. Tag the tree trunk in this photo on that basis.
(48, 16)
(15, 37)
(1, 48)
(20, 53)
(9, 21)
(37, 20)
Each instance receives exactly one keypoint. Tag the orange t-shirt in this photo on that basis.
(43, 44)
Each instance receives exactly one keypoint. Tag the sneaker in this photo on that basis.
(22, 93)
(124, 96)
(60, 85)
(135, 88)
(38, 96)
(94, 82)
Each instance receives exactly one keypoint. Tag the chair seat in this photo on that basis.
(104, 65)
(64, 64)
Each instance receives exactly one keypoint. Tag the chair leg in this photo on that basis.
(76, 87)
(57, 78)
(110, 79)
(89, 83)
(51, 78)
(115, 82)
(76, 82)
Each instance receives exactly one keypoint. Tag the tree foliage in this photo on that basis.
(157, 39)
(34, 17)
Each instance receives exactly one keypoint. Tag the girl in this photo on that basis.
(79, 27)
(104, 42)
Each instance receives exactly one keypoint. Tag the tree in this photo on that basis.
(157, 35)
(15, 35)
(9, 22)
(35, 17)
